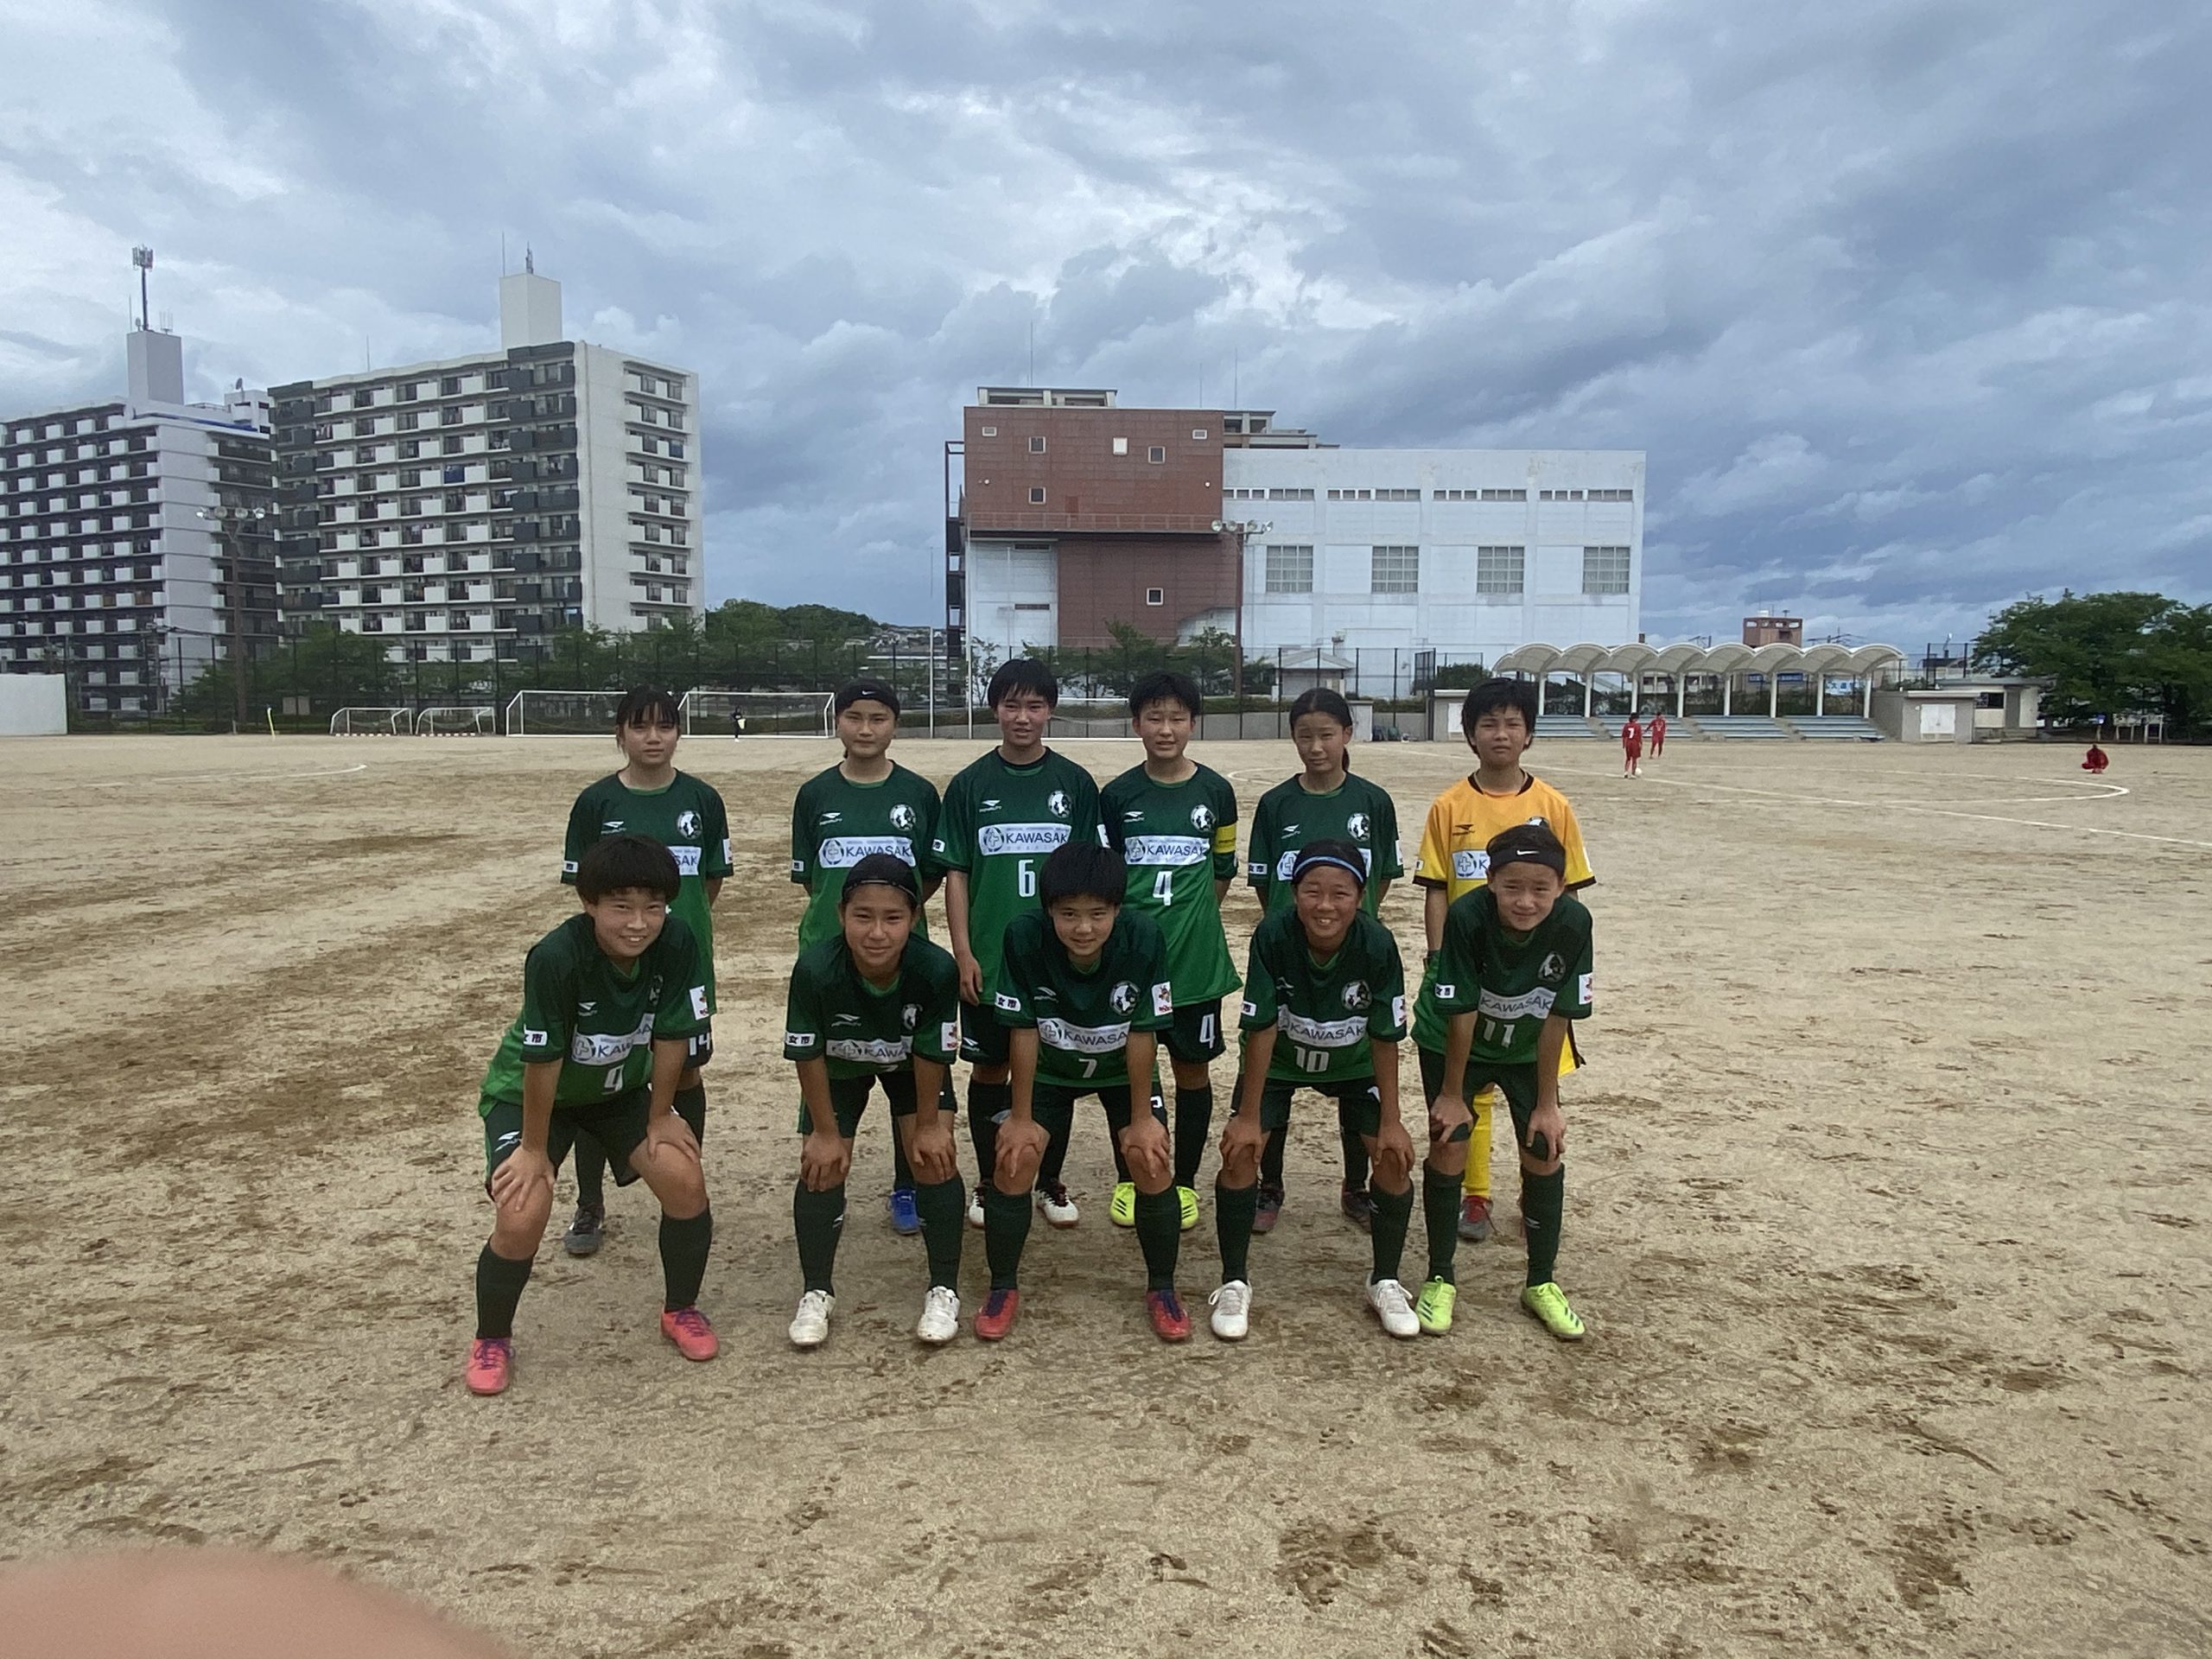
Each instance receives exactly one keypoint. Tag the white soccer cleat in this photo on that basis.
(940, 1320)
(1058, 1208)
(811, 1324)
(1388, 1298)
(1232, 1311)
(975, 1207)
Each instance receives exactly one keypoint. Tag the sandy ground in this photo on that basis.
(1887, 1209)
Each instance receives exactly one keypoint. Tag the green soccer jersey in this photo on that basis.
(1178, 840)
(1328, 1014)
(686, 816)
(1511, 984)
(836, 823)
(835, 1015)
(1289, 815)
(1084, 1016)
(1000, 824)
(599, 1021)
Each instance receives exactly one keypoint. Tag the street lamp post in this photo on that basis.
(1242, 527)
(231, 524)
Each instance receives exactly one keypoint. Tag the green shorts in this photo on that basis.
(618, 1125)
(1516, 1082)
(982, 1038)
(1196, 1036)
(1050, 1100)
(849, 1100)
(1359, 1102)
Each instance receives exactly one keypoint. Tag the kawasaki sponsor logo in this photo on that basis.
(687, 860)
(842, 852)
(871, 1051)
(1171, 850)
(994, 840)
(1083, 1039)
(1321, 1033)
(1537, 1003)
(586, 1048)
(1472, 864)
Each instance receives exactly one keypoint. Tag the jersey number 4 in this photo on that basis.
(1163, 889)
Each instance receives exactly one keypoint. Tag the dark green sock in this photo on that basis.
(1271, 1156)
(986, 1101)
(1006, 1230)
(1058, 1118)
(1355, 1148)
(684, 1247)
(1193, 1127)
(498, 1288)
(691, 1107)
(1543, 1201)
(1439, 1204)
(944, 1207)
(591, 1172)
(1159, 1230)
(1233, 1210)
(816, 1218)
(1394, 1215)
(902, 1172)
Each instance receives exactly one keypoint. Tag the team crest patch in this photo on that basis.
(911, 1016)
(1554, 967)
(1124, 998)
(1356, 826)
(1057, 802)
(902, 817)
(687, 824)
(1358, 997)
(1201, 818)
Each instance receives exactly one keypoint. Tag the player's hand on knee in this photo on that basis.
(1393, 1155)
(1545, 1144)
(1449, 1120)
(824, 1159)
(1145, 1145)
(1242, 1140)
(1021, 1149)
(670, 1136)
(930, 1153)
(523, 1181)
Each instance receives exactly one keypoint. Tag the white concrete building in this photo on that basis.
(108, 574)
(1466, 552)
(469, 508)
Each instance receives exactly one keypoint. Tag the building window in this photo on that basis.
(1505, 495)
(1156, 454)
(1197, 435)
(1290, 569)
(1037, 495)
(1121, 446)
(1559, 495)
(990, 431)
(1605, 570)
(1612, 495)
(1396, 570)
(1155, 597)
(1036, 446)
(1501, 570)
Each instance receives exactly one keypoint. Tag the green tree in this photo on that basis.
(2107, 654)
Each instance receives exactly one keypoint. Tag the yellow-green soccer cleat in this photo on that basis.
(1123, 1209)
(1547, 1304)
(1188, 1197)
(1433, 1306)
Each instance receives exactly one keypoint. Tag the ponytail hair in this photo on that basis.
(1321, 700)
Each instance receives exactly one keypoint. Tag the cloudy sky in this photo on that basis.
(1909, 302)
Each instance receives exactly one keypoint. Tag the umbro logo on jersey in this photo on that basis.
(831, 818)
(1290, 829)
(612, 826)
(1137, 817)
(586, 1007)
(845, 1019)
(991, 805)
(687, 824)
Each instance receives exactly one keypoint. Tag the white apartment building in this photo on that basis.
(469, 508)
(1467, 552)
(107, 572)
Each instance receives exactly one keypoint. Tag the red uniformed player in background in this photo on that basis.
(2095, 761)
(1631, 748)
(1658, 732)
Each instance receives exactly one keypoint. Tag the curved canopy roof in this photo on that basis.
(1727, 657)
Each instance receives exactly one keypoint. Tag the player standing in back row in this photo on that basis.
(867, 802)
(1005, 814)
(649, 796)
(1328, 801)
(1174, 823)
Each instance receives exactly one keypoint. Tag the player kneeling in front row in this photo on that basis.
(609, 1001)
(1511, 979)
(1083, 992)
(1325, 1009)
(874, 1002)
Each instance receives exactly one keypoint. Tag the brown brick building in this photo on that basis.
(1767, 629)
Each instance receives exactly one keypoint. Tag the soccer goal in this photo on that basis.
(370, 723)
(759, 713)
(563, 714)
(456, 719)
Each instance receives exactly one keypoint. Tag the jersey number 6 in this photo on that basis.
(1025, 878)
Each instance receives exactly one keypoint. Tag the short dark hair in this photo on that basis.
(882, 870)
(1328, 853)
(648, 705)
(1023, 674)
(621, 861)
(1495, 695)
(1166, 685)
(1083, 869)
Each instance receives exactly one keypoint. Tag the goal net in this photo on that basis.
(473, 720)
(370, 723)
(562, 714)
(759, 713)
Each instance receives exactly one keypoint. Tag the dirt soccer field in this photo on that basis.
(1887, 1209)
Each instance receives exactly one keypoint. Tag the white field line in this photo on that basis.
(227, 778)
